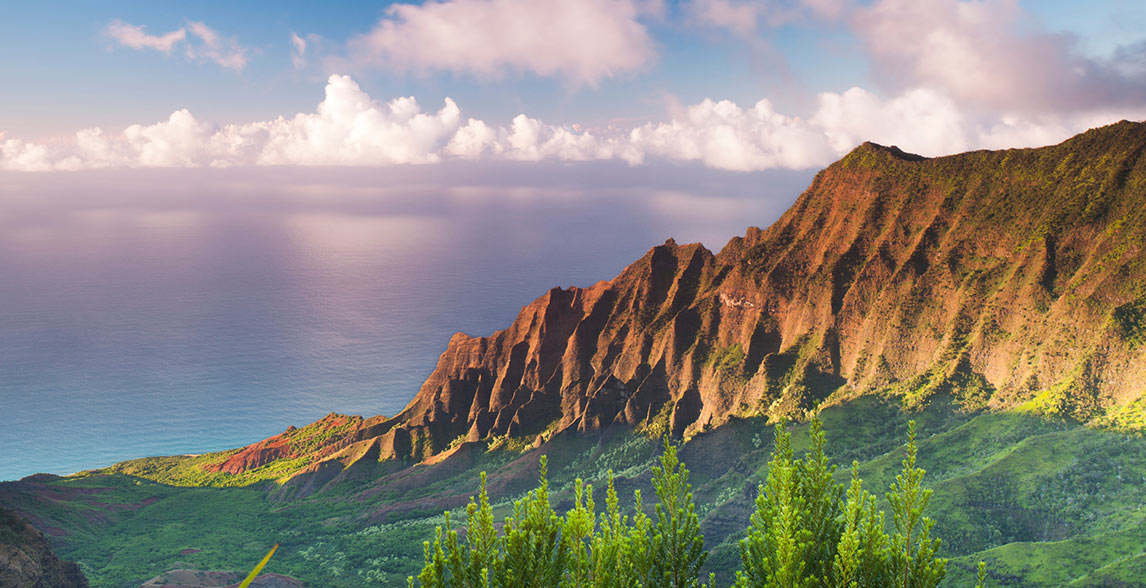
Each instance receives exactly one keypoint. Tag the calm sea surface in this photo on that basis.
(162, 312)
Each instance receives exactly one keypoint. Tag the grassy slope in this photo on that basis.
(1045, 503)
(196, 470)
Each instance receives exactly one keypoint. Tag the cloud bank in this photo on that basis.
(348, 128)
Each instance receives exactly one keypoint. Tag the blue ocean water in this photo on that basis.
(183, 311)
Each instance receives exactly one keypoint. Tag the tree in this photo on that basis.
(913, 552)
(535, 557)
(804, 533)
(577, 534)
(619, 553)
(774, 552)
(451, 564)
(677, 547)
(821, 503)
(982, 576)
(861, 553)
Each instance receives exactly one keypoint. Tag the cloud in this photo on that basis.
(988, 54)
(581, 42)
(742, 17)
(19, 155)
(298, 51)
(726, 136)
(223, 51)
(203, 43)
(349, 128)
(737, 16)
(136, 37)
(920, 120)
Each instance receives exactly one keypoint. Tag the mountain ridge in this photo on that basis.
(1010, 280)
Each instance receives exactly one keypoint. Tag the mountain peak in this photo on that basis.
(893, 151)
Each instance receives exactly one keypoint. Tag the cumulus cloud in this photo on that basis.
(582, 42)
(349, 128)
(921, 120)
(726, 136)
(203, 43)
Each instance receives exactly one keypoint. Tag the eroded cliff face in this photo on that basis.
(27, 561)
(1008, 279)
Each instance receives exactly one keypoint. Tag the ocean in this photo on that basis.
(159, 312)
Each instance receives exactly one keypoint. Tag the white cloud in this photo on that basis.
(348, 128)
(919, 120)
(726, 136)
(351, 129)
(473, 140)
(582, 42)
(136, 37)
(203, 44)
(19, 155)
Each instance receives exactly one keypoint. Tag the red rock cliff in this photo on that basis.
(1007, 279)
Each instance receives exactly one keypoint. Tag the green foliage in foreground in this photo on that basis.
(804, 533)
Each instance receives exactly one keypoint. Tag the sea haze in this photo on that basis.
(153, 312)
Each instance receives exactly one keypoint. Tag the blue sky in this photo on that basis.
(638, 80)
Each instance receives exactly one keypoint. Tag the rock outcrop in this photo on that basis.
(27, 560)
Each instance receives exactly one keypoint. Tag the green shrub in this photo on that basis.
(806, 532)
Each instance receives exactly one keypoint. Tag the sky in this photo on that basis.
(739, 85)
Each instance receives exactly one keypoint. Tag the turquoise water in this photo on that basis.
(182, 311)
